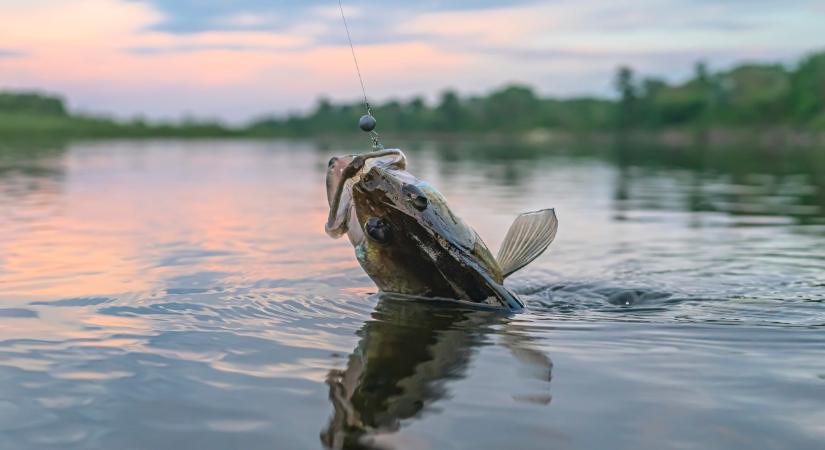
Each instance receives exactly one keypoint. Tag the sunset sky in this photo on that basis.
(239, 59)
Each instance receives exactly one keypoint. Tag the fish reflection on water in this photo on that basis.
(406, 355)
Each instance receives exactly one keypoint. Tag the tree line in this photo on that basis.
(35, 115)
(748, 95)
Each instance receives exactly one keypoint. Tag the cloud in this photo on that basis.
(241, 58)
(194, 48)
(5, 53)
(190, 16)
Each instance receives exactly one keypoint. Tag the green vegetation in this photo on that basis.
(37, 115)
(763, 96)
(750, 95)
(512, 109)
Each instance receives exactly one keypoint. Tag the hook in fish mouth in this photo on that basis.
(337, 219)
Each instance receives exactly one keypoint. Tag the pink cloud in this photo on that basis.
(108, 54)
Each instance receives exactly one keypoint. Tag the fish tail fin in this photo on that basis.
(528, 237)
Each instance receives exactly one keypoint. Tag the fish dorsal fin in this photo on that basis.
(528, 237)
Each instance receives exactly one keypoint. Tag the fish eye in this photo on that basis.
(378, 230)
(420, 202)
(415, 196)
(332, 161)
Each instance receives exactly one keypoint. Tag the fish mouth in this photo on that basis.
(341, 201)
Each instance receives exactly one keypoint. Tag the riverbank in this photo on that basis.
(23, 129)
(17, 126)
(672, 137)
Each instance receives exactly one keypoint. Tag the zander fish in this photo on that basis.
(409, 242)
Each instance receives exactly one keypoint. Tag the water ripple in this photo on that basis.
(207, 309)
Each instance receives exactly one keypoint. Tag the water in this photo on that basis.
(168, 295)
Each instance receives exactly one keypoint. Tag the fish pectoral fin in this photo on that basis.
(528, 237)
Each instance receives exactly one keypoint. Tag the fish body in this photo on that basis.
(409, 242)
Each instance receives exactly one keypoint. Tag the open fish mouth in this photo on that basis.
(340, 202)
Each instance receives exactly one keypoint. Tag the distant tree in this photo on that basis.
(513, 108)
(324, 106)
(652, 89)
(704, 93)
(417, 117)
(417, 104)
(32, 103)
(755, 93)
(701, 71)
(628, 96)
(807, 93)
(449, 112)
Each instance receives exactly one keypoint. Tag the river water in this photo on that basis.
(183, 294)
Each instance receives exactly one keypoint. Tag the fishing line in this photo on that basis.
(354, 57)
(367, 122)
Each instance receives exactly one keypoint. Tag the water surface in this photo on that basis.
(182, 294)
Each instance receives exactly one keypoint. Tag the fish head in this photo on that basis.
(342, 173)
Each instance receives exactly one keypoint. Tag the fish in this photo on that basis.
(409, 242)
